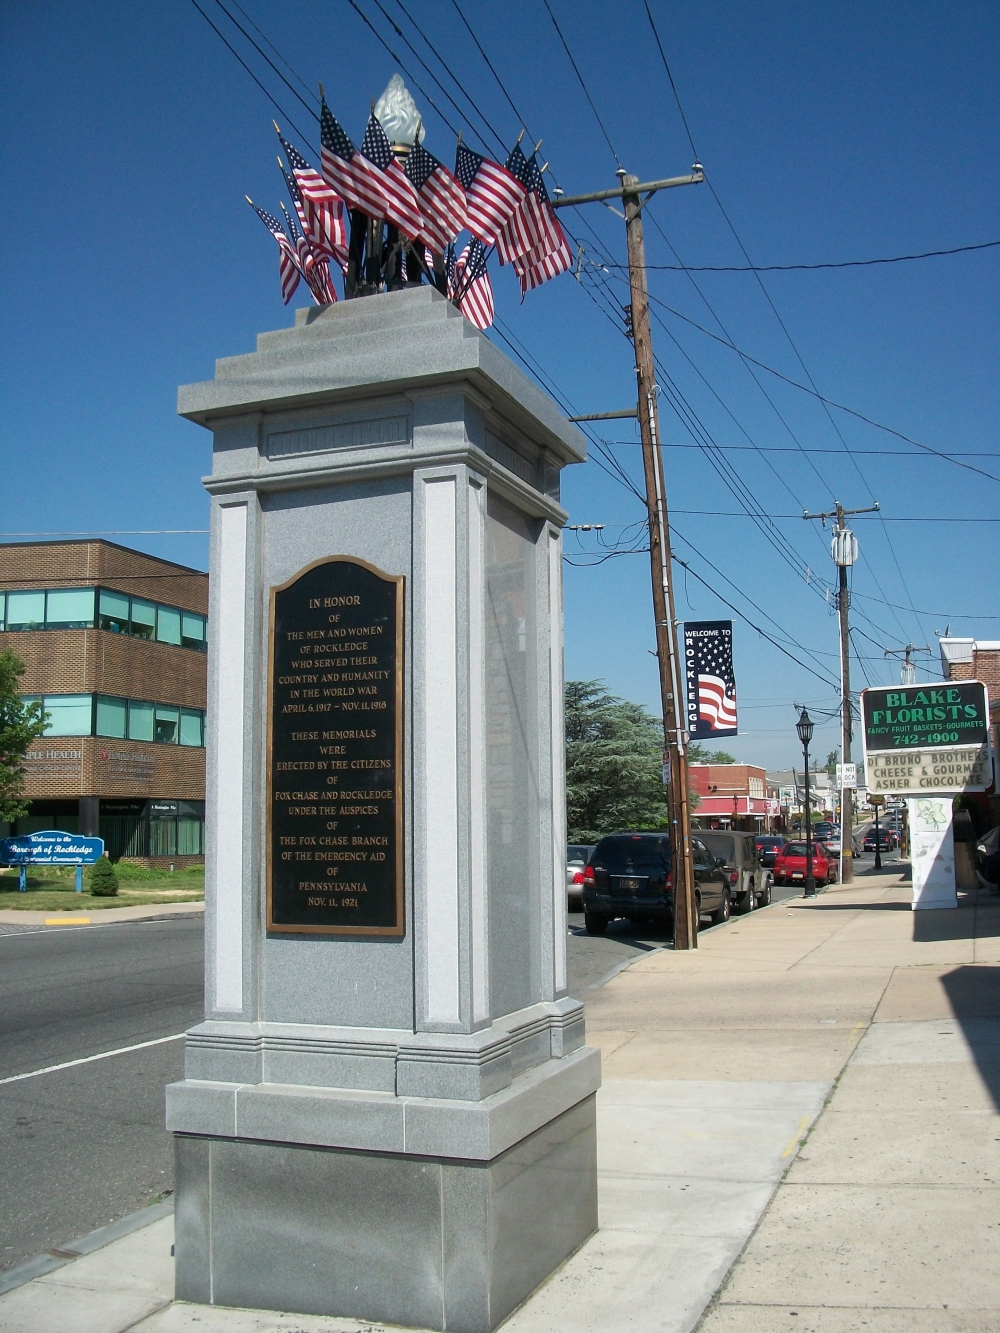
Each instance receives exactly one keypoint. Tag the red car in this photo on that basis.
(790, 864)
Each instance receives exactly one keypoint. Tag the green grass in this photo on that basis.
(52, 889)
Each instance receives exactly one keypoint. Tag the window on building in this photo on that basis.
(3, 610)
(114, 611)
(111, 717)
(140, 721)
(168, 625)
(193, 631)
(26, 610)
(192, 726)
(69, 714)
(143, 619)
(166, 724)
(69, 608)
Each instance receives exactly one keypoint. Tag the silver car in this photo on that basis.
(577, 856)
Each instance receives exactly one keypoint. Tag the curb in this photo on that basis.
(93, 1240)
(32, 920)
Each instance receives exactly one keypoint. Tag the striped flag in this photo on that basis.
(402, 207)
(288, 261)
(492, 194)
(441, 198)
(315, 267)
(533, 241)
(320, 209)
(474, 291)
(347, 171)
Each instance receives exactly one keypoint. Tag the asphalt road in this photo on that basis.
(83, 1146)
(86, 1145)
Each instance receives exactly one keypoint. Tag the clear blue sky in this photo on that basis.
(830, 132)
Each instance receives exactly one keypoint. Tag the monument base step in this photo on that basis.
(437, 1242)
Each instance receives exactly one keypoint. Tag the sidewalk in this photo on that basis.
(716, 1065)
(100, 916)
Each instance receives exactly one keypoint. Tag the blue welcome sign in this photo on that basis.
(52, 848)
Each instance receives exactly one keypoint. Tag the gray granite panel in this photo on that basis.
(201, 1108)
(192, 1219)
(543, 1205)
(326, 1232)
(338, 1118)
(465, 1244)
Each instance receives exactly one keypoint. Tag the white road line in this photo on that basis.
(87, 1059)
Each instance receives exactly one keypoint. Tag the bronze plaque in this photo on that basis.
(335, 752)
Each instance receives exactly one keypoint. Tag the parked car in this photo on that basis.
(577, 856)
(823, 831)
(749, 881)
(887, 840)
(790, 865)
(769, 846)
(631, 875)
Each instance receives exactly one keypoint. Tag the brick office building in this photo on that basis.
(733, 796)
(978, 659)
(114, 644)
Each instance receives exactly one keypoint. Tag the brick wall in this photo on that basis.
(72, 766)
(93, 661)
(75, 564)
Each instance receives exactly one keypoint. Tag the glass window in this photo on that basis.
(191, 727)
(189, 837)
(25, 610)
(140, 721)
(192, 630)
(3, 610)
(168, 625)
(70, 608)
(167, 722)
(114, 611)
(69, 714)
(163, 837)
(143, 618)
(111, 717)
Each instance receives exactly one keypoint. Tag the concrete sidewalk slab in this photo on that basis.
(104, 916)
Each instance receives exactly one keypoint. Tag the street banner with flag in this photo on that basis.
(288, 261)
(492, 194)
(441, 198)
(320, 209)
(402, 207)
(711, 683)
(473, 289)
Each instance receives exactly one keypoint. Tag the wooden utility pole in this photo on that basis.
(674, 735)
(844, 549)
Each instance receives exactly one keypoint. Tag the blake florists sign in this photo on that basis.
(934, 738)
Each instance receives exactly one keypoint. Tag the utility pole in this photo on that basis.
(668, 657)
(844, 549)
(908, 671)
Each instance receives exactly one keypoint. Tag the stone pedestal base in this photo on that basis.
(452, 1238)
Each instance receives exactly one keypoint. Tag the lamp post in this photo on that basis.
(804, 727)
(876, 802)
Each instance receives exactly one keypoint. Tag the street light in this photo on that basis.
(804, 727)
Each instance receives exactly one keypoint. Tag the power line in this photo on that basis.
(811, 268)
(586, 90)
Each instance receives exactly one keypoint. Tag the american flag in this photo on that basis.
(402, 207)
(533, 241)
(711, 682)
(288, 261)
(492, 194)
(320, 209)
(315, 267)
(474, 291)
(347, 171)
(441, 198)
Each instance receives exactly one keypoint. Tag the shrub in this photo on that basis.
(103, 880)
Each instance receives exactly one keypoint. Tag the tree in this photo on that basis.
(103, 879)
(614, 764)
(697, 754)
(832, 760)
(20, 724)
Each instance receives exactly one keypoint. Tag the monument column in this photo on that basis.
(388, 1112)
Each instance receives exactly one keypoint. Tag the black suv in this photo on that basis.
(631, 875)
